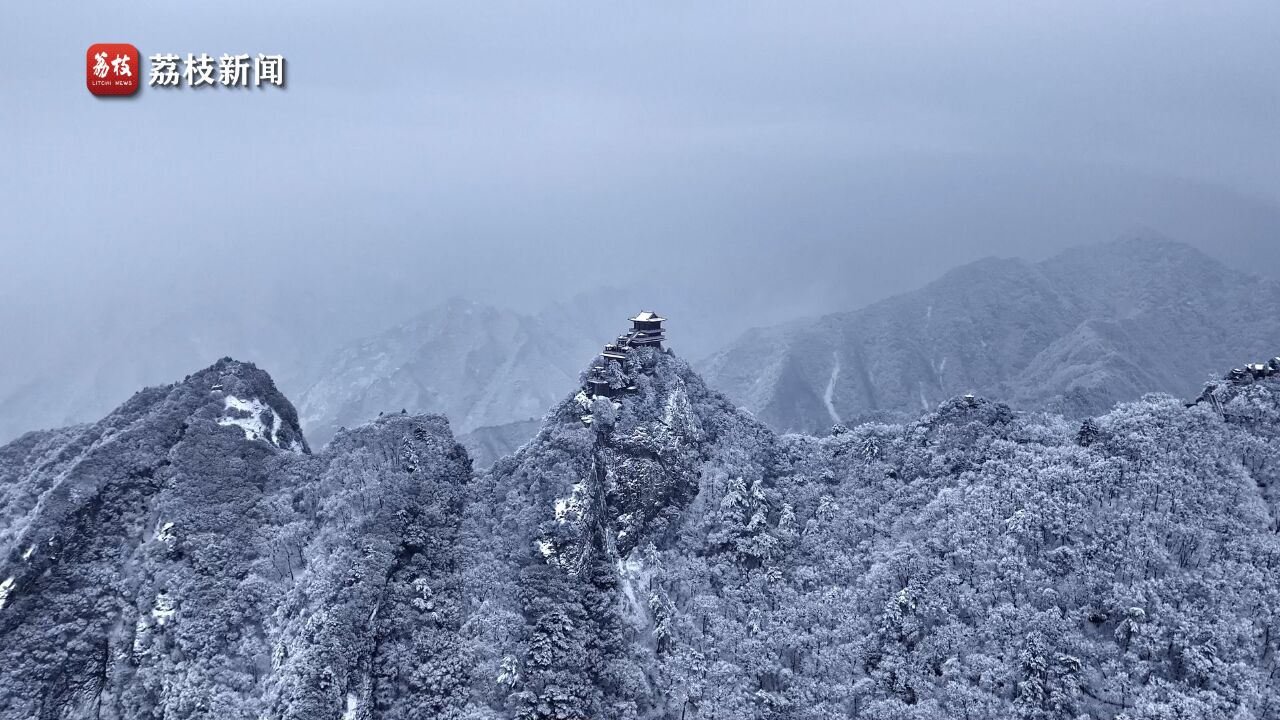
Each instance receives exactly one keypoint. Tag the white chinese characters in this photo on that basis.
(232, 71)
(198, 70)
(164, 70)
(119, 67)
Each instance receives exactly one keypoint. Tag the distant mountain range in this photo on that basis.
(488, 444)
(108, 358)
(1073, 334)
(477, 365)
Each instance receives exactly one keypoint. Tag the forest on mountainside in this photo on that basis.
(657, 554)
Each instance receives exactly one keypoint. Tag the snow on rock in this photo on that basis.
(166, 535)
(26, 554)
(829, 394)
(163, 609)
(248, 415)
(253, 427)
(6, 587)
(635, 578)
(572, 507)
(353, 704)
(677, 415)
(509, 671)
(140, 633)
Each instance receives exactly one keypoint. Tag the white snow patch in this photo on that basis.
(139, 635)
(508, 671)
(26, 554)
(6, 587)
(163, 609)
(353, 704)
(831, 388)
(677, 403)
(635, 579)
(253, 427)
(582, 400)
(165, 534)
(545, 548)
(571, 508)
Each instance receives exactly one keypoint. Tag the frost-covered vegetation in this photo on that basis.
(673, 558)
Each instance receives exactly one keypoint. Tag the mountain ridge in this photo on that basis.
(655, 554)
(1000, 327)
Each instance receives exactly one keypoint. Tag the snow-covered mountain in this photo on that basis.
(677, 559)
(1074, 334)
(187, 556)
(653, 555)
(489, 370)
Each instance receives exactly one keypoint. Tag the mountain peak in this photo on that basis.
(624, 452)
(241, 395)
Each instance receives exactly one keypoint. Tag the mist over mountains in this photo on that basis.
(314, 406)
(350, 363)
(1073, 334)
(477, 365)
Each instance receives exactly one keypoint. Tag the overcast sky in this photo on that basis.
(518, 152)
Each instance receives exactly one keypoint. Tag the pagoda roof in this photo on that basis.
(647, 316)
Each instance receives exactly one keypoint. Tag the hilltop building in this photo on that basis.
(646, 331)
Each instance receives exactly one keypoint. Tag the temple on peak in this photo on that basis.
(646, 332)
(646, 329)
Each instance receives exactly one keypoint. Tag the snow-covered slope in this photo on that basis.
(188, 557)
(679, 559)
